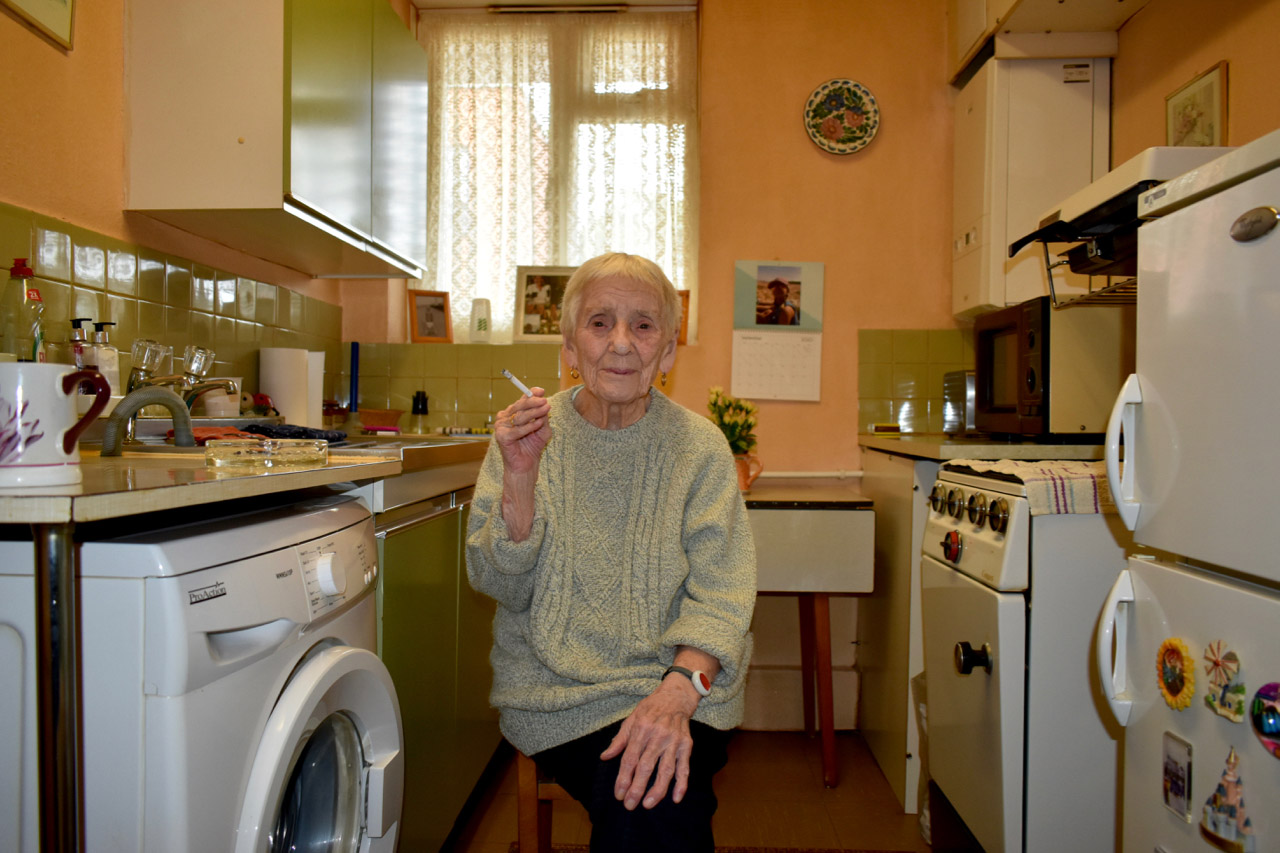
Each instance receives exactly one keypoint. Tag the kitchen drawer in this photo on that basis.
(814, 550)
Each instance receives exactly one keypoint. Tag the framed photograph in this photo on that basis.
(51, 17)
(684, 317)
(1196, 114)
(538, 294)
(429, 321)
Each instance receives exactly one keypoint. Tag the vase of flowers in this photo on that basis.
(737, 420)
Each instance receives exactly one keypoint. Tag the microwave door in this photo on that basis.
(1203, 442)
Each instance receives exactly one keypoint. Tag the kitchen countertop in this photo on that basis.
(944, 448)
(805, 493)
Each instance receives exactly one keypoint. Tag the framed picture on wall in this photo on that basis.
(1196, 114)
(538, 294)
(429, 321)
(51, 17)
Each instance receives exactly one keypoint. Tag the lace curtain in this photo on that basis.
(554, 138)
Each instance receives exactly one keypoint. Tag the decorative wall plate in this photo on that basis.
(841, 116)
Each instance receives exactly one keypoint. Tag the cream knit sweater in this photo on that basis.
(640, 543)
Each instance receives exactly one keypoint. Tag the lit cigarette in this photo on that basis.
(524, 389)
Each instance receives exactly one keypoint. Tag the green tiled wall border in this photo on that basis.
(174, 300)
(900, 375)
(464, 382)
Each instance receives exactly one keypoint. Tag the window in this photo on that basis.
(554, 138)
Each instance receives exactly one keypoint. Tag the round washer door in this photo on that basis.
(328, 776)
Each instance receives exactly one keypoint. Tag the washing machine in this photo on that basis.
(232, 698)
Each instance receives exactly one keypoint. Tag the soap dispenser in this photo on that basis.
(107, 356)
(75, 350)
(418, 416)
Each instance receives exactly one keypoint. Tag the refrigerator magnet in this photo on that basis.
(1226, 692)
(1225, 823)
(1264, 713)
(1177, 776)
(1176, 671)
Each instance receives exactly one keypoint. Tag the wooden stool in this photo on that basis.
(534, 795)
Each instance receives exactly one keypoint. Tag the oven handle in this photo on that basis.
(1112, 626)
(1121, 423)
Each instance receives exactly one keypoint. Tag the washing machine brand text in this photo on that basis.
(284, 574)
(205, 593)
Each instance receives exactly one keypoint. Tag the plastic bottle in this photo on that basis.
(107, 356)
(418, 417)
(23, 330)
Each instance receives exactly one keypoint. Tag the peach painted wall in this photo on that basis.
(1170, 42)
(879, 219)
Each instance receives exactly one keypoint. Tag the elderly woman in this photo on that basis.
(608, 525)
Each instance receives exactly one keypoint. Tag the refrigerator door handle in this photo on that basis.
(1121, 423)
(1112, 627)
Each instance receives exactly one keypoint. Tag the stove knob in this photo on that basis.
(952, 545)
(968, 658)
(955, 503)
(998, 515)
(938, 497)
(978, 508)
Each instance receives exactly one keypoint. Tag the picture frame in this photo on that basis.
(1196, 113)
(53, 18)
(538, 294)
(429, 319)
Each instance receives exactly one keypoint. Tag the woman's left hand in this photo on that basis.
(655, 738)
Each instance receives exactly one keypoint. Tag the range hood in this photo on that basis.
(1102, 219)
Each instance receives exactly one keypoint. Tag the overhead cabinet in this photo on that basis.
(292, 130)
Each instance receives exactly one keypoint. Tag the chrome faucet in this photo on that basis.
(188, 385)
(199, 389)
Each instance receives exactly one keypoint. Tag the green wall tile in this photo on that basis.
(541, 359)
(122, 272)
(203, 286)
(513, 358)
(910, 380)
(150, 321)
(177, 326)
(875, 380)
(224, 295)
(875, 346)
(374, 392)
(406, 360)
(266, 299)
(290, 310)
(474, 394)
(247, 302)
(439, 360)
(910, 346)
(84, 303)
(89, 266)
(442, 396)
(124, 313)
(57, 299)
(375, 360)
(474, 360)
(945, 345)
(202, 334)
(400, 392)
(52, 254)
(177, 284)
(151, 277)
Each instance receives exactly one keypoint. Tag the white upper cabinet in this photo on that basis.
(292, 130)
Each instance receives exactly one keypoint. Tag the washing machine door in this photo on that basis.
(328, 776)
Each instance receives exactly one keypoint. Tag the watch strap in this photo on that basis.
(701, 683)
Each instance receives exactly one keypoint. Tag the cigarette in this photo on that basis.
(524, 389)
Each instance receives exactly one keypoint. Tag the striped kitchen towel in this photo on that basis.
(1054, 487)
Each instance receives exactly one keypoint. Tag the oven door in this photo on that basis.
(976, 716)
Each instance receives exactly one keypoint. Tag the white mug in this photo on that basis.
(39, 424)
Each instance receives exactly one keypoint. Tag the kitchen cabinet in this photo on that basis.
(1028, 134)
(435, 636)
(294, 131)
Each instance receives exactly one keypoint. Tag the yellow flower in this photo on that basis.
(1176, 673)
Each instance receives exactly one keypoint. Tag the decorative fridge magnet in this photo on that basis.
(1225, 695)
(1176, 672)
(841, 116)
(1226, 824)
(1264, 712)
(1177, 776)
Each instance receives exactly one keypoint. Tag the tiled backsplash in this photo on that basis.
(900, 375)
(464, 382)
(148, 294)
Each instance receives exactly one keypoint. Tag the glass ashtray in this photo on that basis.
(266, 454)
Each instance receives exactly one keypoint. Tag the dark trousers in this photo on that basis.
(683, 827)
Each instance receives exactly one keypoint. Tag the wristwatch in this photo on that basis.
(701, 683)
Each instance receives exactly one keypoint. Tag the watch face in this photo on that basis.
(703, 682)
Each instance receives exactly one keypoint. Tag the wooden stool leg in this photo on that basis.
(805, 600)
(533, 828)
(826, 703)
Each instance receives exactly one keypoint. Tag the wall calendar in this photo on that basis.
(777, 330)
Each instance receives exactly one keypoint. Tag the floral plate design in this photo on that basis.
(841, 116)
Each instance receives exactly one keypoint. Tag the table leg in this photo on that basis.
(58, 689)
(826, 703)
(806, 658)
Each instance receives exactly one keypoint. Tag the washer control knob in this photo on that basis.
(938, 497)
(977, 508)
(998, 515)
(955, 503)
(952, 545)
(332, 580)
(968, 658)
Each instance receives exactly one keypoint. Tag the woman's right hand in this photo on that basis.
(522, 431)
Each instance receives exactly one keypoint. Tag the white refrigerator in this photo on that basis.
(1188, 648)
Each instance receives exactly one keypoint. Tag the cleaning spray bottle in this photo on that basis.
(21, 313)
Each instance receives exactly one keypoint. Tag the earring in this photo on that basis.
(573, 373)
(663, 379)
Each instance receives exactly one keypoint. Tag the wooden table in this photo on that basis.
(814, 539)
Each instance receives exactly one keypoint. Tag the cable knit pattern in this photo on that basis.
(640, 543)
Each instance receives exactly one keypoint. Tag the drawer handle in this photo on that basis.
(968, 658)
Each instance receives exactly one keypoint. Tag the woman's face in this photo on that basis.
(619, 345)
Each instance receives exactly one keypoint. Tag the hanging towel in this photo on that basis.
(1056, 487)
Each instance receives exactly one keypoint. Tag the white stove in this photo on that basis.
(1017, 743)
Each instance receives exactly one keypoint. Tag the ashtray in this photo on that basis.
(266, 454)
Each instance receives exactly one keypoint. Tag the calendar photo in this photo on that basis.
(784, 295)
(777, 330)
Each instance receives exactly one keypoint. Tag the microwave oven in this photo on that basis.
(1051, 373)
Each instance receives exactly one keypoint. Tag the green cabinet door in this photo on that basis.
(478, 734)
(329, 59)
